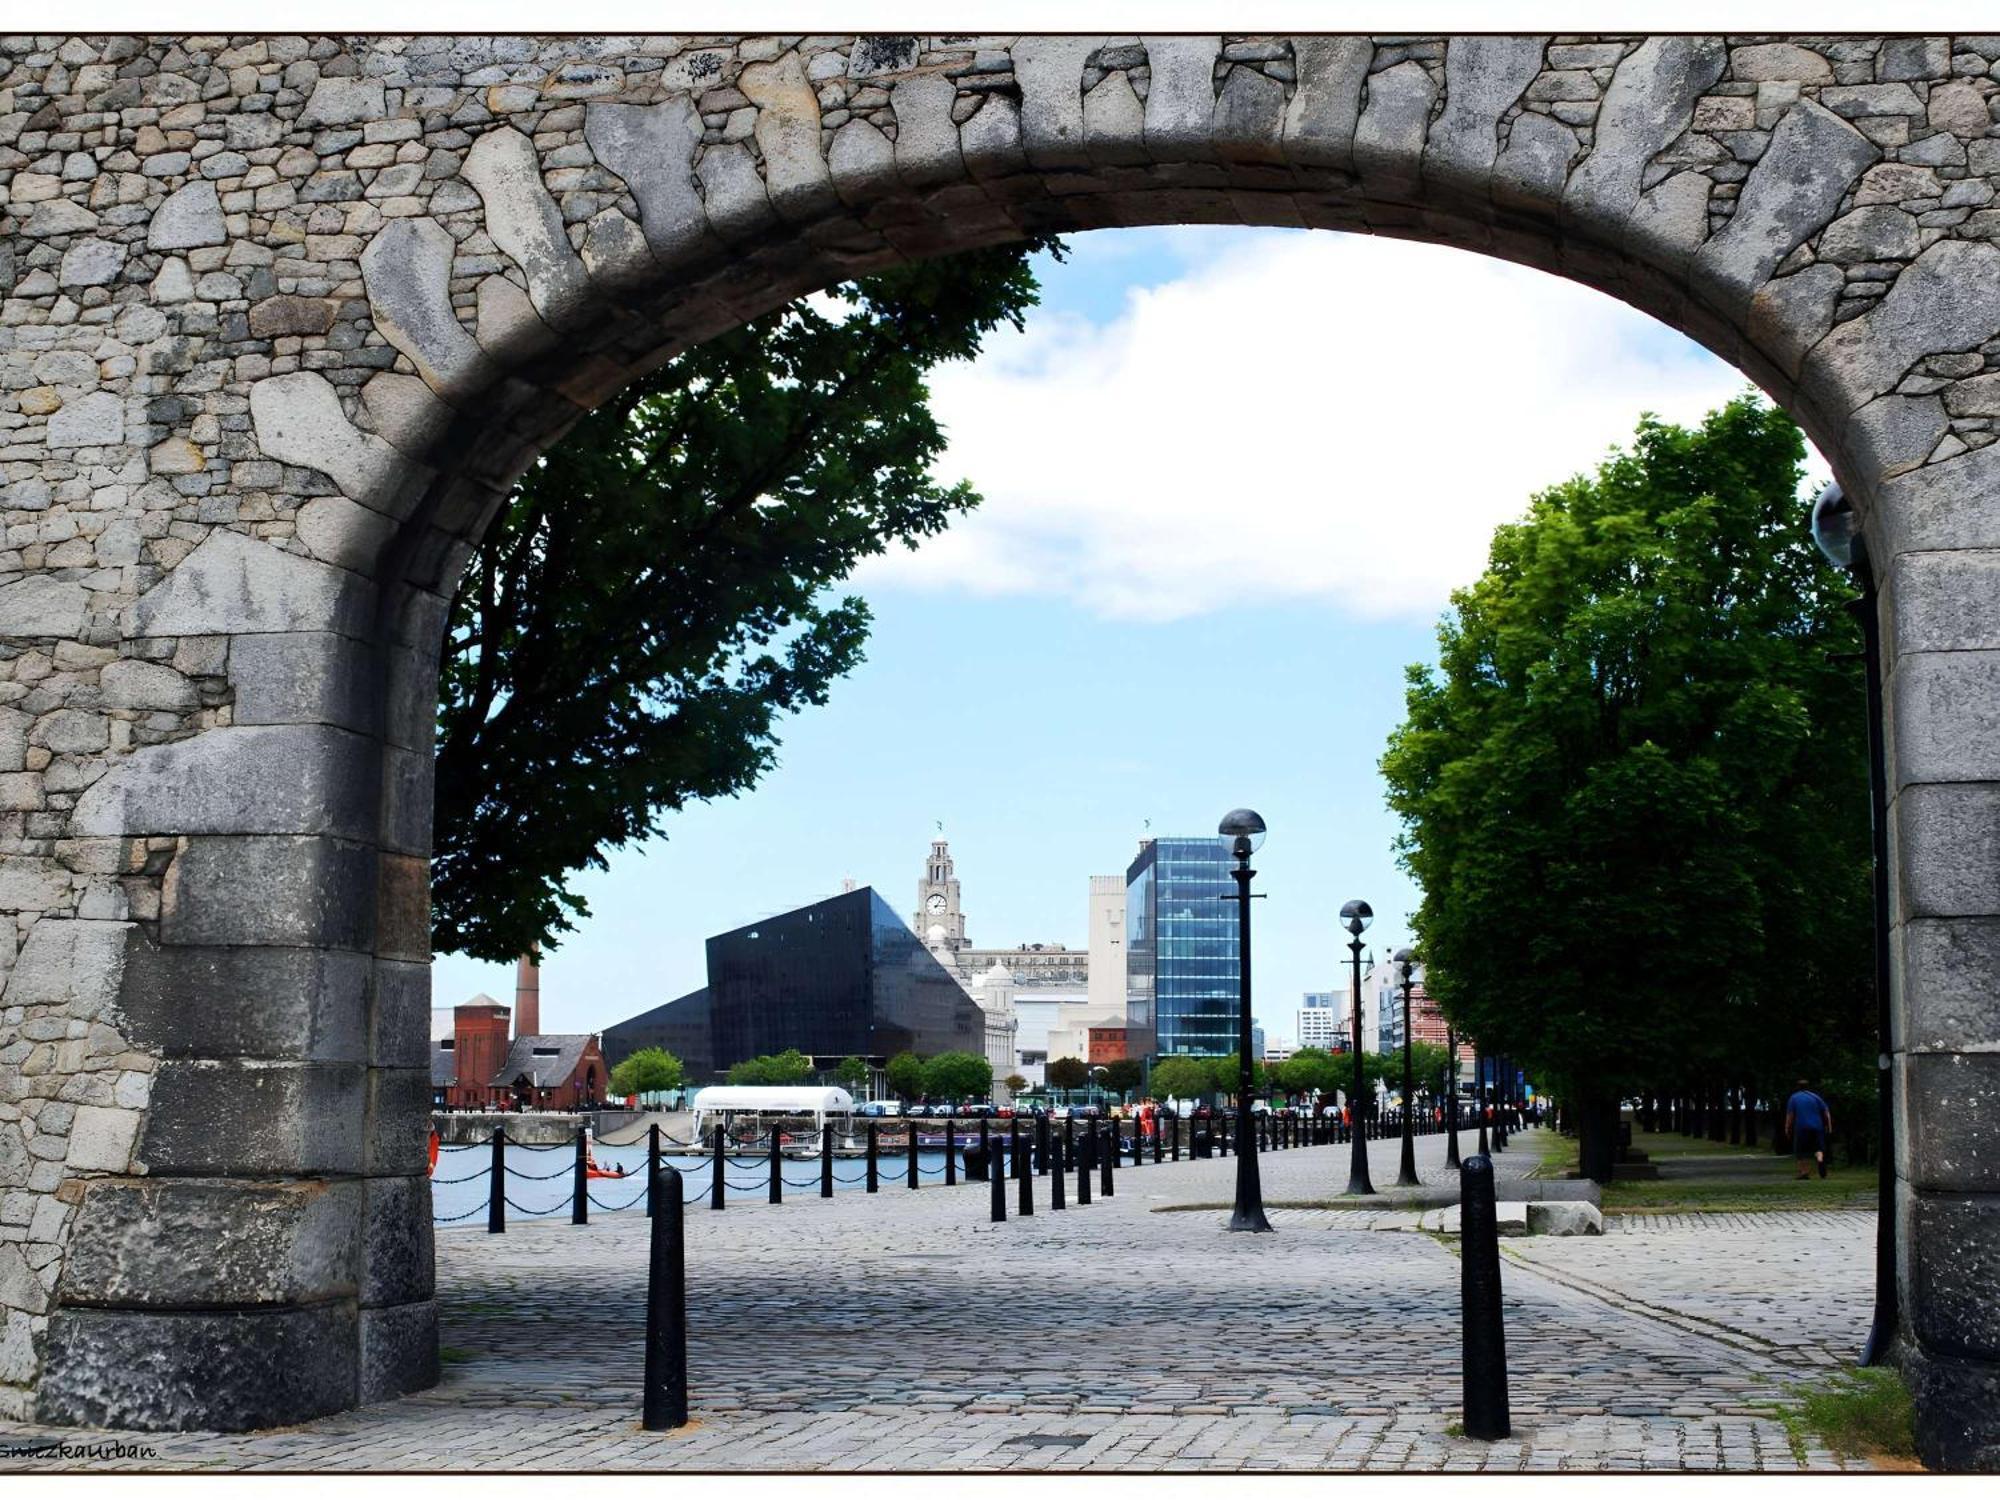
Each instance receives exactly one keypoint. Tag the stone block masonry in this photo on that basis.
(282, 317)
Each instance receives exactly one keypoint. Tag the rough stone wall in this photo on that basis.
(283, 316)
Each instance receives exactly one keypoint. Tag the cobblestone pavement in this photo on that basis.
(908, 1332)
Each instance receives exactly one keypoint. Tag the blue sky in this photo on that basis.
(1231, 477)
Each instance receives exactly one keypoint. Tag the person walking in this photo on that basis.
(1809, 1122)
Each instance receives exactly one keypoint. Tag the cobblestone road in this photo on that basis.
(907, 1332)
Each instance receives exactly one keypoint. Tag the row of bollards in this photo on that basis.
(665, 1397)
(1049, 1154)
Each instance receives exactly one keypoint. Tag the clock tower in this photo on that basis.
(939, 922)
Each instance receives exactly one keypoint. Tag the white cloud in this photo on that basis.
(1288, 416)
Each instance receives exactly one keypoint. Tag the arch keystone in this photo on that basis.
(1180, 99)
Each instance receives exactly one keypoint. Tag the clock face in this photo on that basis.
(936, 903)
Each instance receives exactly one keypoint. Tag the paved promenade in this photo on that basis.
(904, 1331)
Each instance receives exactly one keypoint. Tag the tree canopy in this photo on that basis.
(654, 594)
(852, 1074)
(906, 1075)
(1066, 1072)
(957, 1075)
(1635, 787)
(1180, 1077)
(650, 1070)
(773, 1069)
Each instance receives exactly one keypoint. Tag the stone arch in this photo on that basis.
(285, 320)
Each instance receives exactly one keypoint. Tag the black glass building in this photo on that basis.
(1182, 960)
(841, 978)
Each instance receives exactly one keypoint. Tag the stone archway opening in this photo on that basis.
(1793, 205)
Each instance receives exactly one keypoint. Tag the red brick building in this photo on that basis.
(480, 1067)
(1108, 1044)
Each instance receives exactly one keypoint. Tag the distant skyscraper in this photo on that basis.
(1182, 965)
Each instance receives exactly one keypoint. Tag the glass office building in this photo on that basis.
(841, 978)
(1182, 964)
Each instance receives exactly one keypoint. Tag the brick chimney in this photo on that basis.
(528, 995)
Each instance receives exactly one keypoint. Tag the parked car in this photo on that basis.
(876, 1109)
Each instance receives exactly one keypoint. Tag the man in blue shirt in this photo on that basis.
(1809, 1121)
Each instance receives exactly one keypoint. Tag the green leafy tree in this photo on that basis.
(1225, 1075)
(853, 1074)
(1014, 1083)
(1182, 1078)
(654, 595)
(958, 1075)
(906, 1075)
(1635, 787)
(650, 1070)
(1123, 1075)
(1309, 1070)
(1066, 1072)
(773, 1070)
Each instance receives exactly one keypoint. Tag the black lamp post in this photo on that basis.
(1245, 832)
(1451, 1095)
(1356, 916)
(1838, 535)
(1406, 1175)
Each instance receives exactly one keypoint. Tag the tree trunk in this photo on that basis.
(1597, 1136)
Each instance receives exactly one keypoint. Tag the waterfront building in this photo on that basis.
(478, 1066)
(1108, 1044)
(940, 919)
(1105, 943)
(1384, 983)
(1182, 965)
(1279, 1051)
(992, 991)
(1323, 1021)
(843, 977)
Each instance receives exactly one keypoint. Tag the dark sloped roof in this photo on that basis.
(544, 1072)
(444, 1066)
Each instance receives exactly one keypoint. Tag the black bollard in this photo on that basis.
(1157, 1156)
(716, 1191)
(997, 1179)
(777, 1167)
(950, 1152)
(985, 1144)
(579, 1184)
(666, 1393)
(652, 1169)
(914, 1174)
(1025, 1171)
(1013, 1143)
(1107, 1163)
(1138, 1145)
(496, 1190)
(1176, 1153)
(1485, 1336)
(826, 1160)
(1068, 1159)
(1057, 1179)
(874, 1162)
(1043, 1164)
(1086, 1161)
